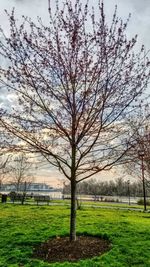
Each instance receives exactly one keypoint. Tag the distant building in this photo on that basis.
(32, 187)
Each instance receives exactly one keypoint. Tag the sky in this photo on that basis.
(140, 10)
(139, 24)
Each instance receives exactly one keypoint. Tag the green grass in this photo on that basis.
(86, 203)
(96, 203)
(23, 227)
(111, 204)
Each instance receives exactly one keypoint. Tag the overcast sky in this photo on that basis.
(139, 24)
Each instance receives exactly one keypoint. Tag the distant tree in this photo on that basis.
(21, 172)
(75, 80)
(139, 144)
(120, 186)
(115, 187)
(138, 156)
(4, 170)
(94, 188)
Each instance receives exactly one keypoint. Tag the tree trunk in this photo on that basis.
(17, 187)
(73, 211)
(73, 175)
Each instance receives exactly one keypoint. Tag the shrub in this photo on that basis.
(141, 202)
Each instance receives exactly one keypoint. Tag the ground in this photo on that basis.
(61, 249)
(24, 227)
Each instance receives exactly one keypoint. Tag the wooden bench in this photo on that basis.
(42, 198)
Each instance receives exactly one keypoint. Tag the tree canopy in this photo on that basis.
(75, 80)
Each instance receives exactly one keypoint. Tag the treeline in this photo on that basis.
(118, 187)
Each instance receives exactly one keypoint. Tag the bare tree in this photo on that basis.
(115, 187)
(21, 172)
(75, 80)
(138, 156)
(4, 170)
(139, 142)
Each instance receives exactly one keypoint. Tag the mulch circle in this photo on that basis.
(61, 249)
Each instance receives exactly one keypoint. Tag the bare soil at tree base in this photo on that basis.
(61, 249)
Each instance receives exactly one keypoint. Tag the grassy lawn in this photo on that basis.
(112, 204)
(23, 227)
(99, 204)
